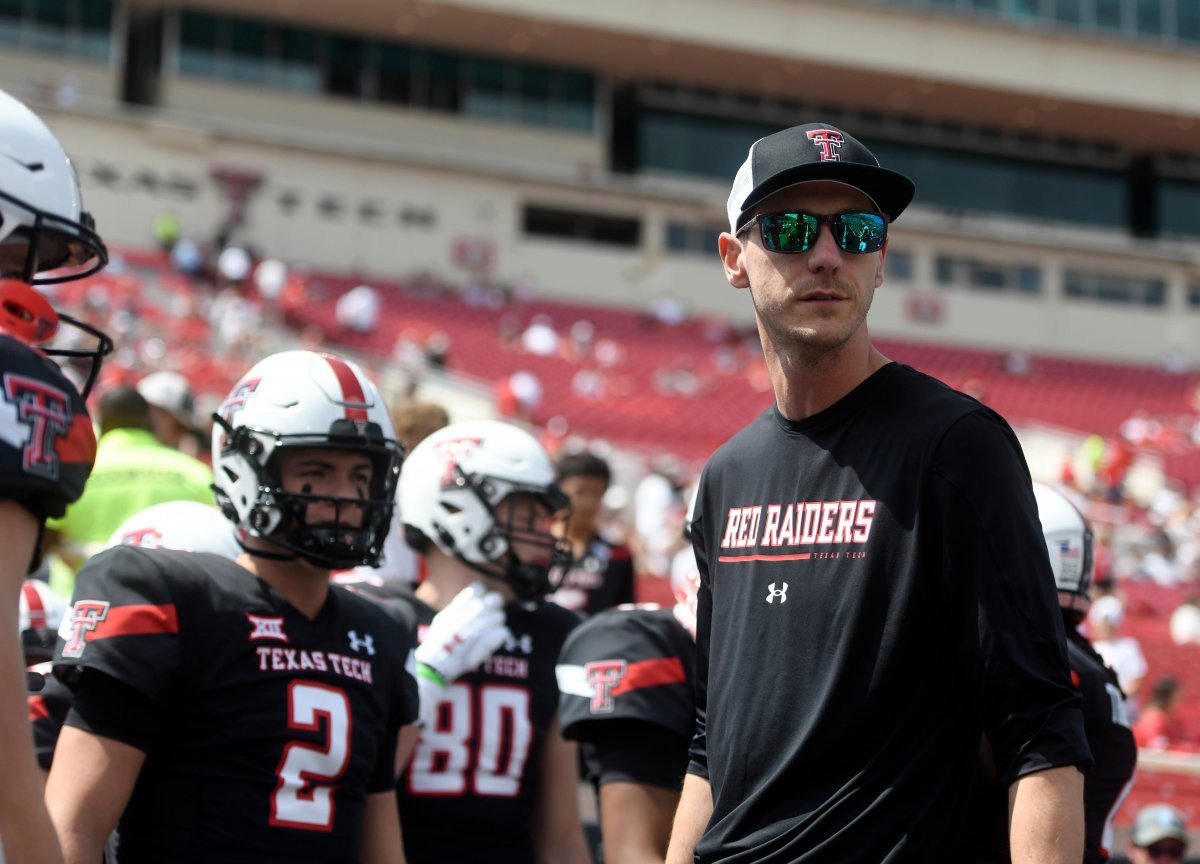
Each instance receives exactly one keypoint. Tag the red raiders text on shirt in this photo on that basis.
(805, 523)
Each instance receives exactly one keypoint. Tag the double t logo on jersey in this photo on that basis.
(603, 676)
(85, 616)
(45, 412)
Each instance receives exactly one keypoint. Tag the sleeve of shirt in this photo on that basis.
(48, 445)
(630, 751)
(698, 753)
(123, 622)
(107, 707)
(994, 555)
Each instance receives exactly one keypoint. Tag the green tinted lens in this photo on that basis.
(859, 232)
(788, 232)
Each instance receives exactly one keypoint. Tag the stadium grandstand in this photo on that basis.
(530, 195)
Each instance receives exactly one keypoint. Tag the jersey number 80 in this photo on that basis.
(479, 743)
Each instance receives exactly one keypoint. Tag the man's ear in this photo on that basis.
(731, 249)
(879, 266)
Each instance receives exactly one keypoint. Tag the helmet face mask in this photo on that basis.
(310, 402)
(484, 493)
(45, 236)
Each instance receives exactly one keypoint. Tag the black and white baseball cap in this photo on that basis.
(814, 151)
(1157, 822)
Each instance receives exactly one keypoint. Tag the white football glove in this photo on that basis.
(463, 635)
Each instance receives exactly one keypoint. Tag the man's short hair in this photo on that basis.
(582, 464)
(124, 408)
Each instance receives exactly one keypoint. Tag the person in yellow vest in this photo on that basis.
(133, 471)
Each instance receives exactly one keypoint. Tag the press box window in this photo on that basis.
(987, 276)
(692, 238)
(1115, 288)
(586, 227)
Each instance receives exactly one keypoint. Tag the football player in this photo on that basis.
(46, 441)
(1105, 720)
(248, 710)
(491, 779)
(186, 525)
(626, 679)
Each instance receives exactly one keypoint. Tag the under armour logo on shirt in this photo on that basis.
(366, 643)
(524, 644)
(773, 592)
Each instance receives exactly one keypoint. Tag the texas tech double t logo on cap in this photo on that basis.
(829, 140)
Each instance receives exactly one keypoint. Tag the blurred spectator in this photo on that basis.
(166, 231)
(601, 571)
(1122, 654)
(172, 411)
(1158, 727)
(270, 278)
(659, 510)
(416, 420)
(358, 309)
(186, 257)
(1158, 564)
(1118, 458)
(1159, 835)
(518, 396)
(436, 349)
(233, 264)
(583, 338)
(539, 337)
(133, 471)
(1185, 622)
(588, 384)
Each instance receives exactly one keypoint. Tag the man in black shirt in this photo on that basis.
(875, 594)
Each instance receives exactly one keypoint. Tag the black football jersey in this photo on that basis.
(626, 680)
(47, 444)
(272, 728)
(629, 663)
(599, 579)
(1113, 747)
(468, 792)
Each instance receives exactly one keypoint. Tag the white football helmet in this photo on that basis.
(42, 215)
(41, 613)
(303, 399)
(451, 485)
(186, 525)
(1069, 542)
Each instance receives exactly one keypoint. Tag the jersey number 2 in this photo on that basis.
(303, 798)
(482, 734)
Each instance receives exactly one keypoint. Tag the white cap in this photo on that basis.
(1108, 610)
(171, 392)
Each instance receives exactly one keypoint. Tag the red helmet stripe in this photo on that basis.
(352, 391)
(33, 602)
